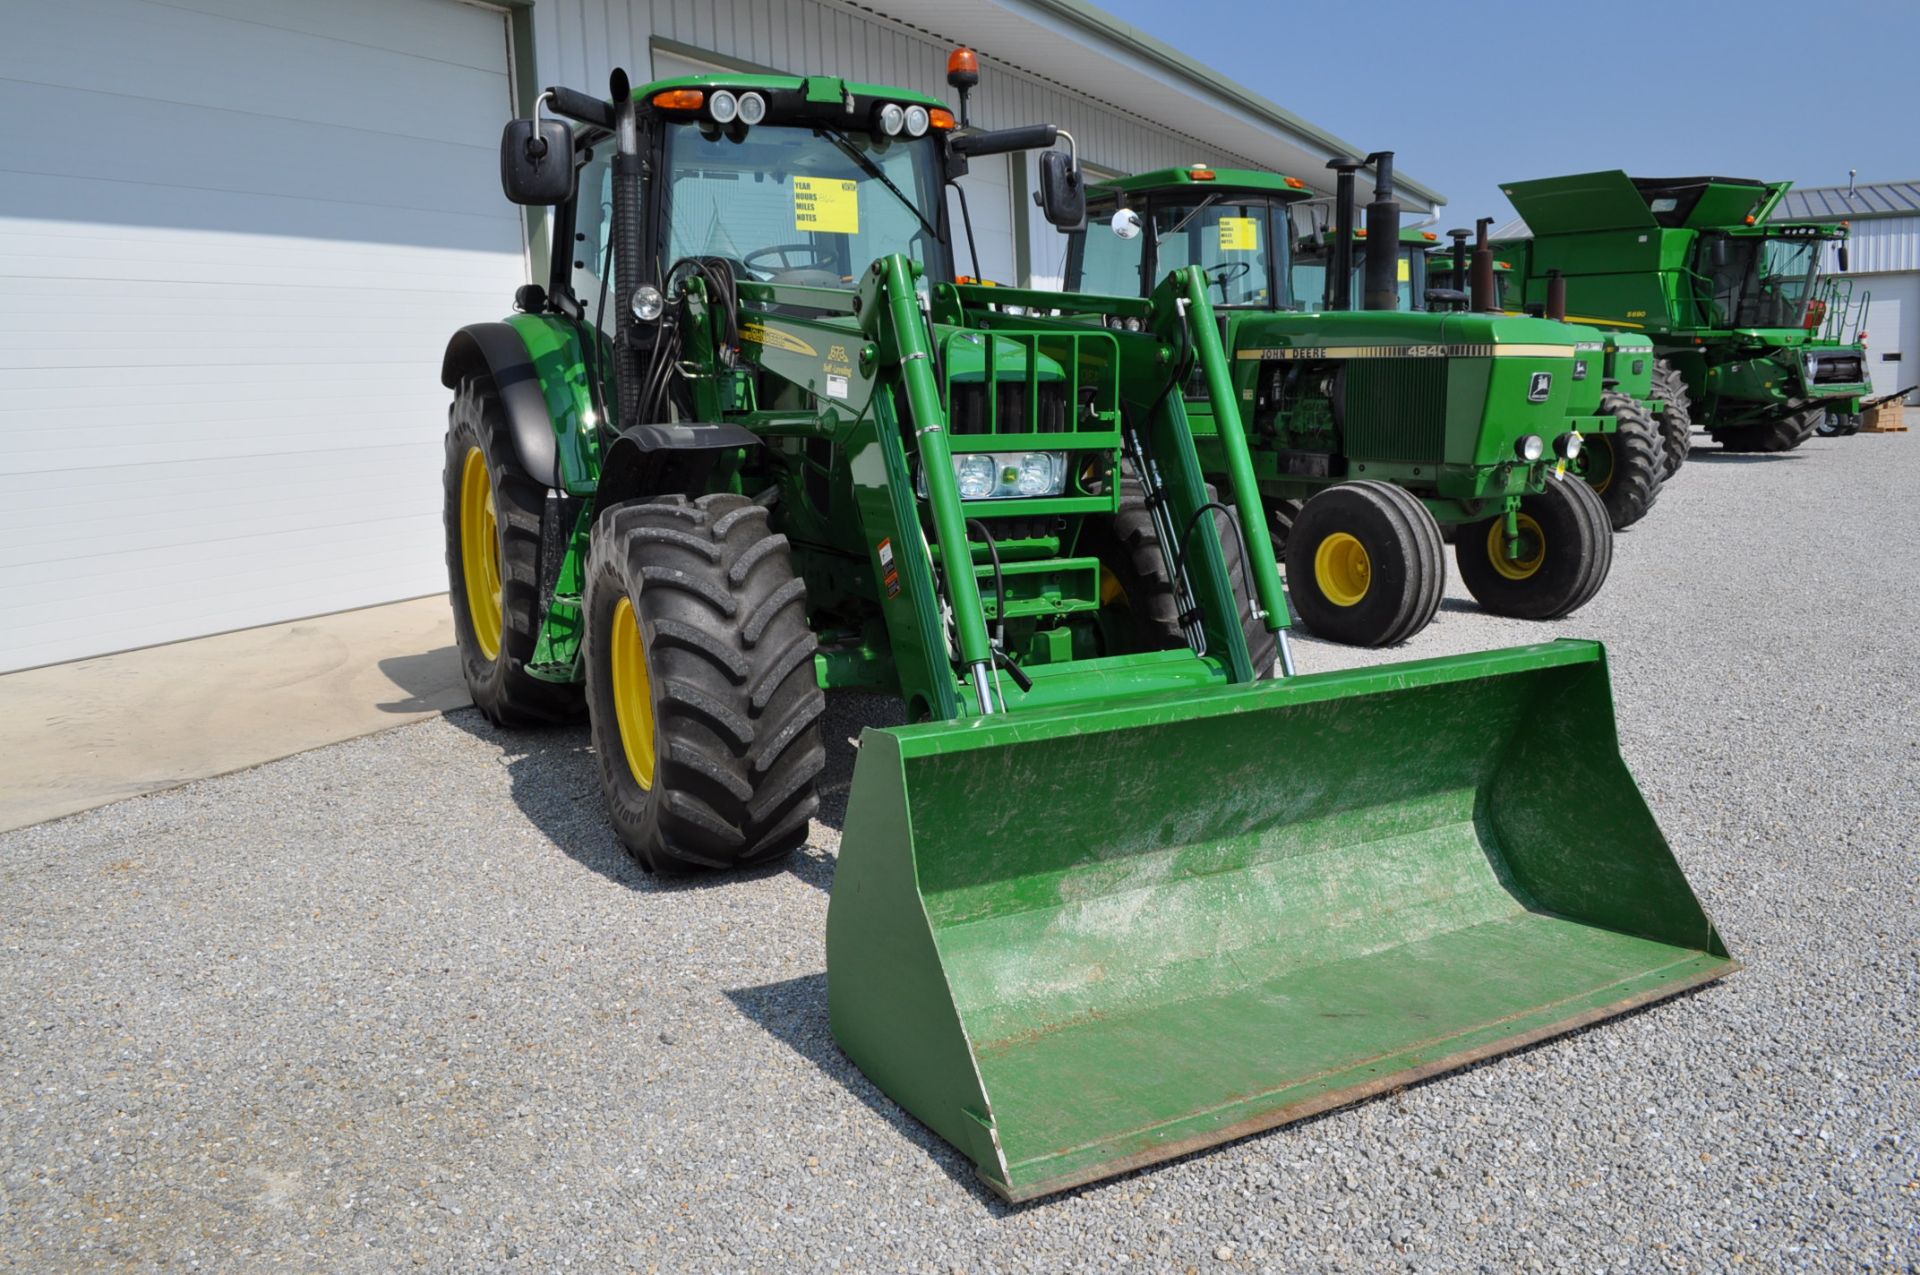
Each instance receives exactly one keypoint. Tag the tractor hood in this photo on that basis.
(1414, 334)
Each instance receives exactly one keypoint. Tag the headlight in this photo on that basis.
(1530, 448)
(892, 119)
(976, 475)
(917, 121)
(648, 304)
(724, 107)
(1007, 475)
(1568, 445)
(753, 108)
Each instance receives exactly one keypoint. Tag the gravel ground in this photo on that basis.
(402, 1002)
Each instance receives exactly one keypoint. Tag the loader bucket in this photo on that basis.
(1078, 942)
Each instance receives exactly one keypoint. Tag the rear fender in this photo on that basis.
(537, 363)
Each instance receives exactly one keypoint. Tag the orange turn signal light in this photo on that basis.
(940, 117)
(1360, 233)
(1429, 236)
(1294, 183)
(1749, 219)
(1200, 173)
(680, 99)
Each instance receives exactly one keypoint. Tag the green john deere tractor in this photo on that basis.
(1369, 429)
(751, 442)
(1754, 344)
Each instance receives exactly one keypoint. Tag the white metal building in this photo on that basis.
(1883, 260)
(236, 234)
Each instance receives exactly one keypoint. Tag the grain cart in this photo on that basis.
(1371, 428)
(1754, 344)
(750, 442)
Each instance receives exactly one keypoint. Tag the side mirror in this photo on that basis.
(1126, 224)
(1842, 253)
(536, 162)
(1721, 253)
(1063, 196)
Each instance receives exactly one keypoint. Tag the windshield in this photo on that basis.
(1310, 276)
(801, 205)
(1233, 242)
(1765, 283)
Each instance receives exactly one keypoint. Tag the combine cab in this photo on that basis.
(752, 441)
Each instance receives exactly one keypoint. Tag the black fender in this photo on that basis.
(658, 460)
(496, 349)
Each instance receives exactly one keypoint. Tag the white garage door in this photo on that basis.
(989, 187)
(234, 238)
(1893, 332)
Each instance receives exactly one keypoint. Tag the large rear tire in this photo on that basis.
(1626, 467)
(700, 682)
(492, 512)
(1676, 419)
(1566, 550)
(1365, 565)
(1782, 434)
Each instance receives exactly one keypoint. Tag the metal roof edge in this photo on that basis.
(1087, 16)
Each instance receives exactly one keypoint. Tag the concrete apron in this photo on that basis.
(80, 735)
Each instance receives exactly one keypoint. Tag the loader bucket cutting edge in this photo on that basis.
(1078, 942)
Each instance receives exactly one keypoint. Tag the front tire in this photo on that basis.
(700, 684)
(1566, 550)
(1625, 468)
(1676, 419)
(1365, 565)
(492, 510)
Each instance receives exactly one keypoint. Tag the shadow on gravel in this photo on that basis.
(794, 1012)
(1720, 457)
(555, 782)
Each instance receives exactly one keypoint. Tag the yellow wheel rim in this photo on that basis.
(480, 553)
(1342, 569)
(633, 694)
(1533, 549)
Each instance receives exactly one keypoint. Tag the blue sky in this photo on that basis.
(1757, 89)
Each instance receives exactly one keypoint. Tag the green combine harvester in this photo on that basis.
(1371, 429)
(1117, 893)
(1754, 344)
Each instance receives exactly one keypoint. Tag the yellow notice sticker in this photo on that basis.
(1406, 270)
(820, 203)
(1239, 234)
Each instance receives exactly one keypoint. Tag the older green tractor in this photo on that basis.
(1370, 429)
(1754, 344)
(751, 442)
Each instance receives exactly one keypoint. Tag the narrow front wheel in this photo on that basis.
(1555, 566)
(1365, 565)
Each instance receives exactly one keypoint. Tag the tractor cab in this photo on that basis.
(1232, 223)
(1314, 254)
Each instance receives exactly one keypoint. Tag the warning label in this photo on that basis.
(889, 574)
(826, 205)
(1239, 234)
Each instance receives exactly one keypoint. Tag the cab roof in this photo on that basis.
(1244, 179)
(812, 88)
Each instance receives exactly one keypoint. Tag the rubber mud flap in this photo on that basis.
(1080, 941)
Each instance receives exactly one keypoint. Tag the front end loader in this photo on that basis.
(1117, 891)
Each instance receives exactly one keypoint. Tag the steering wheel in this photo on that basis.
(1226, 272)
(816, 258)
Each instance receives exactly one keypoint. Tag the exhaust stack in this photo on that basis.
(1482, 288)
(1340, 272)
(1556, 296)
(1383, 238)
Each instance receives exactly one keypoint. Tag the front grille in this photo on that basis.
(1395, 409)
(1012, 408)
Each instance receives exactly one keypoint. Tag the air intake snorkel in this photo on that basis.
(1383, 237)
(1482, 283)
(1340, 271)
